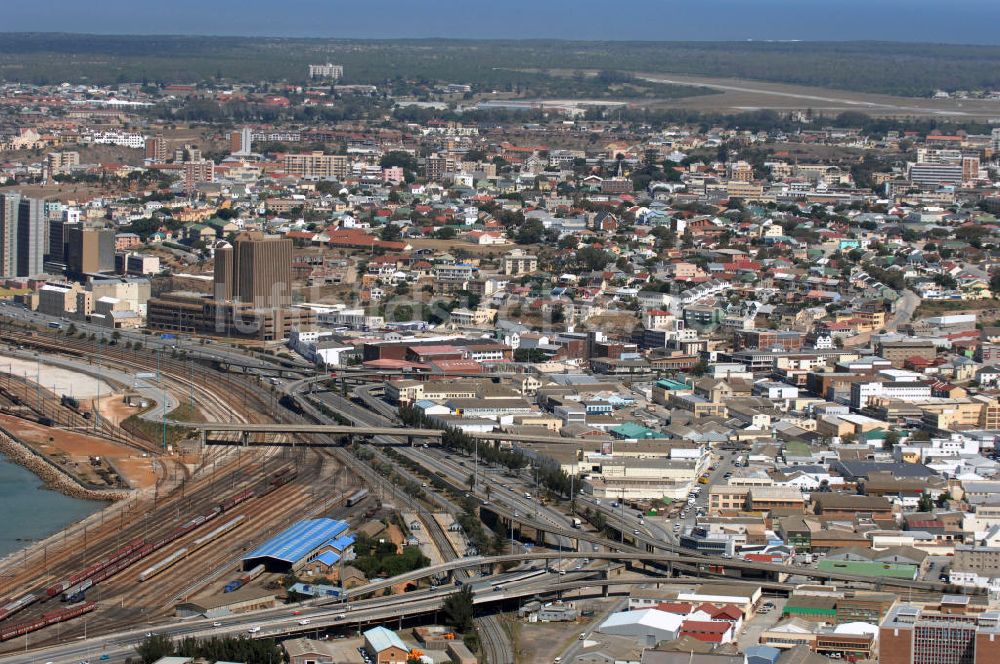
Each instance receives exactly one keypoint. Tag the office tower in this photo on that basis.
(32, 237)
(223, 276)
(256, 269)
(241, 142)
(56, 253)
(89, 250)
(9, 205)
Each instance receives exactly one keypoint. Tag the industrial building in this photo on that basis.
(649, 626)
(299, 545)
(227, 604)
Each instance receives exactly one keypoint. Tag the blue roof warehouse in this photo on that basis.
(299, 544)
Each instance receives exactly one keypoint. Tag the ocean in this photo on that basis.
(31, 511)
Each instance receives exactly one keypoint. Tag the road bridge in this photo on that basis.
(245, 430)
(410, 435)
(666, 559)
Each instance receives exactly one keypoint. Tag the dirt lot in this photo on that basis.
(72, 451)
(57, 379)
(541, 642)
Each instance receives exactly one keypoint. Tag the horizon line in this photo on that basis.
(748, 40)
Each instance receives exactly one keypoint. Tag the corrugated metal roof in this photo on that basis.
(381, 639)
(295, 542)
(328, 558)
(342, 542)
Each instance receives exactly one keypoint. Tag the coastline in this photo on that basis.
(53, 477)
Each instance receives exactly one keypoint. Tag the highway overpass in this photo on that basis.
(245, 432)
(664, 559)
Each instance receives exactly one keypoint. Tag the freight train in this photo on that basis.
(51, 618)
(13, 606)
(74, 586)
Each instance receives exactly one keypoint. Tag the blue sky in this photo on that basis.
(958, 21)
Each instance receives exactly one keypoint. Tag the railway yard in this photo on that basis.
(199, 514)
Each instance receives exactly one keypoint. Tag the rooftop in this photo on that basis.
(292, 544)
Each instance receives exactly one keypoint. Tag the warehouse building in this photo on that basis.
(227, 604)
(647, 626)
(294, 547)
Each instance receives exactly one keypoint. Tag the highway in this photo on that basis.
(199, 348)
(326, 613)
(493, 638)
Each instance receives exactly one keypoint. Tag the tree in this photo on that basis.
(446, 233)
(699, 369)
(925, 504)
(533, 355)
(391, 232)
(154, 647)
(891, 438)
(399, 158)
(995, 282)
(530, 232)
(458, 610)
(593, 259)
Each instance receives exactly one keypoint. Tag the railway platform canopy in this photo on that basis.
(290, 548)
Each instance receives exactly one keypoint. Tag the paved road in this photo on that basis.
(907, 304)
(196, 347)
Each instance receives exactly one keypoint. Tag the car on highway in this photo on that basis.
(340, 616)
(254, 629)
(304, 621)
(216, 624)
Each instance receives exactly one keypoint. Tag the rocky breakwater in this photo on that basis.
(53, 477)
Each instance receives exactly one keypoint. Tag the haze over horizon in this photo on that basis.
(962, 22)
